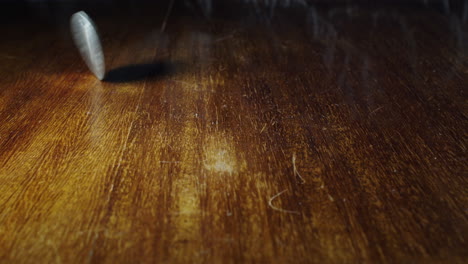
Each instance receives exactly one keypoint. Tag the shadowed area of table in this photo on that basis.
(236, 134)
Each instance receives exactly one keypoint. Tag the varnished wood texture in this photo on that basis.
(260, 135)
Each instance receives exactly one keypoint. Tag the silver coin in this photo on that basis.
(87, 41)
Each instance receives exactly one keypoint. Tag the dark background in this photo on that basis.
(43, 8)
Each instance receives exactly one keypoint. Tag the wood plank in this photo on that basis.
(307, 134)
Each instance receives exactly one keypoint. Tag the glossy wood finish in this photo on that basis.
(303, 135)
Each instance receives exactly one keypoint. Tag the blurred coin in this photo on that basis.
(87, 41)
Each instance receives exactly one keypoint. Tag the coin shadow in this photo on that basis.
(141, 71)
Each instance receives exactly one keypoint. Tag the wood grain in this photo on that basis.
(293, 135)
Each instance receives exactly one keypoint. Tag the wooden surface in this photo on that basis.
(300, 135)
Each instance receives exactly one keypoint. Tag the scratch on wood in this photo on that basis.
(130, 127)
(376, 110)
(296, 173)
(263, 128)
(270, 203)
(109, 193)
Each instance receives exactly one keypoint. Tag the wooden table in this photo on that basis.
(240, 134)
